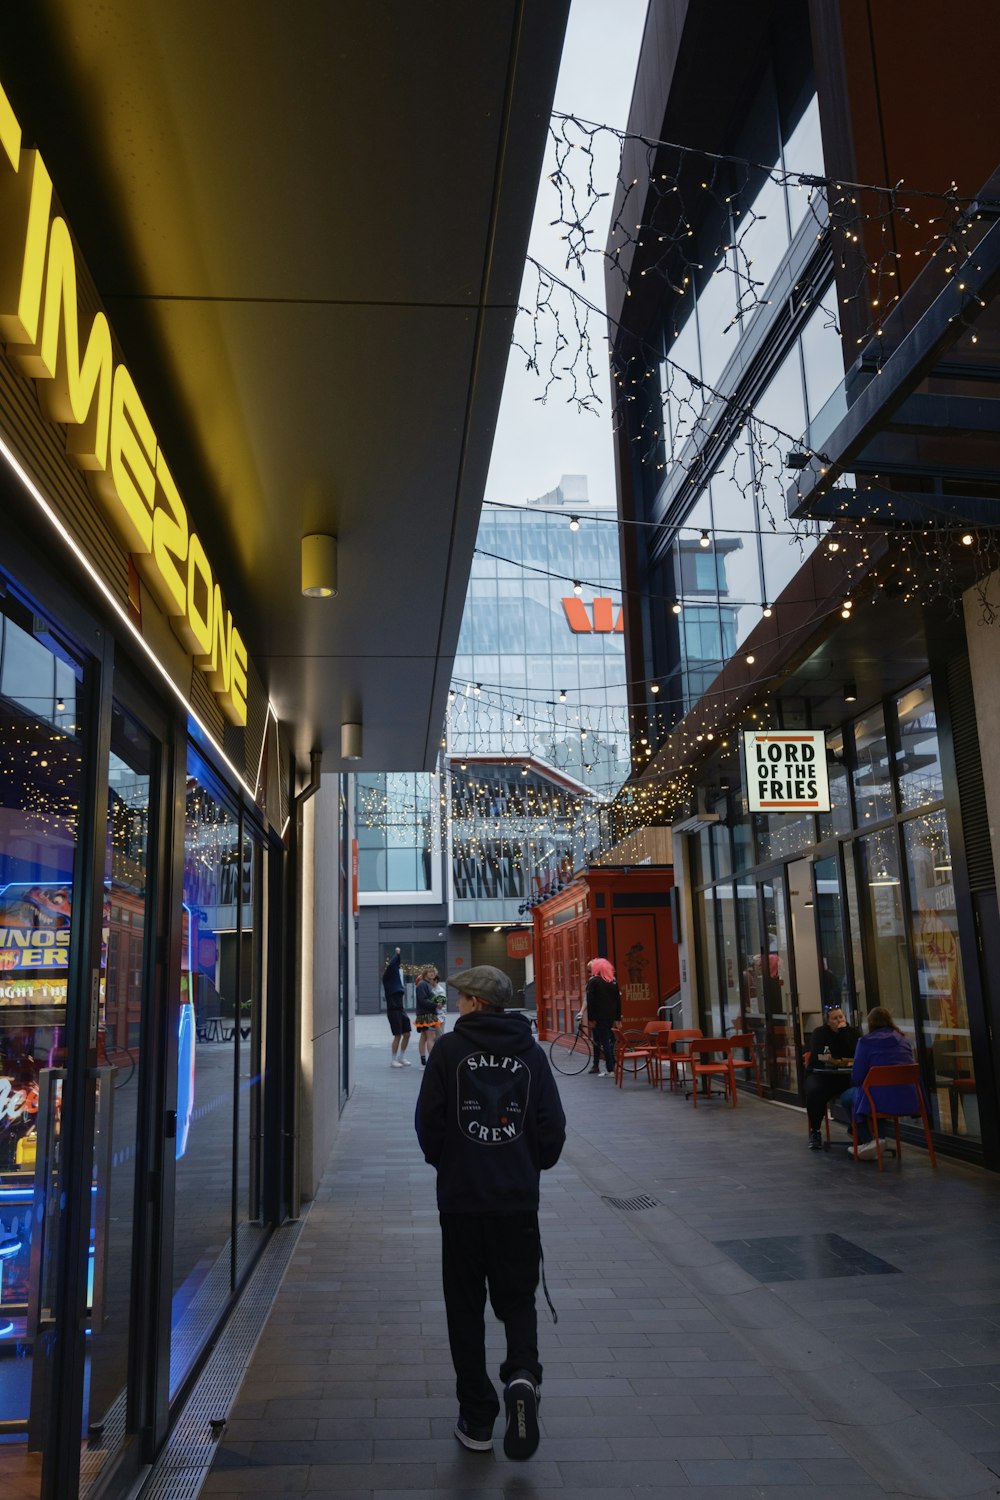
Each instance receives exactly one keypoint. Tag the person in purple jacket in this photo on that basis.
(884, 1046)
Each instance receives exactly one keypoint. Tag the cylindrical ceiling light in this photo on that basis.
(319, 566)
(350, 741)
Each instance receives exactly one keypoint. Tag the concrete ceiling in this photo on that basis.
(308, 223)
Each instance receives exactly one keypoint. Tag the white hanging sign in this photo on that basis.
(786, 770)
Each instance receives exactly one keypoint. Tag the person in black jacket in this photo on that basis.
(489, 1119)
(834, 1040)
(394, 989)
(603, 1003)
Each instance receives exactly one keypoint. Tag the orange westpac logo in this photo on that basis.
(604, 622)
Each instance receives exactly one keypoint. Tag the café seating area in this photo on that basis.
(692, 1063)
(688, 1059)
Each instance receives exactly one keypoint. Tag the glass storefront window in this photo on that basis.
(918, 765)
(838, 819)
(872, 775)
(203, 1194)
(751, 969)
(780, 835)
(862, 1006)
(742, 841)
(834, 982)
(41, 777)
(776, 984)
(710, 997)
(251, 1061)
(941, 990)
(884, 899)
(729, 956)
(720, 841)
(120, 1076)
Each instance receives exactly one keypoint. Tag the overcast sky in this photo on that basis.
(535, 444)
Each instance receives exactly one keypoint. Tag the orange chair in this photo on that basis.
(743, 1042)
(680, 1059)
(887, 1077)
(826, 1108)
(708, 1047)
(634, 1048)
(659, 1034)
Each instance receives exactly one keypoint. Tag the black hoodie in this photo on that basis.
(488, 1115)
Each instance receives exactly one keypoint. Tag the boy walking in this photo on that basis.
(489, 1119)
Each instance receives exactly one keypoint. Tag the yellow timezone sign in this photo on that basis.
(109, 435)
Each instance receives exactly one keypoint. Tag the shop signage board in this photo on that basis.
(786, 771)
(109, 436)
(519, 944)
(605, 618)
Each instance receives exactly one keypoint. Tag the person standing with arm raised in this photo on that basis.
(394, 989)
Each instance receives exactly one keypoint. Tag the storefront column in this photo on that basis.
(686, 947)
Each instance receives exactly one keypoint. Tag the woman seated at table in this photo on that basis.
(884, 1046)
(839, 1040)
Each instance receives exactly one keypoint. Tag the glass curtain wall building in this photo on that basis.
(536, 737)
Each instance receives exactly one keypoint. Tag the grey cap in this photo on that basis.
(486, 983)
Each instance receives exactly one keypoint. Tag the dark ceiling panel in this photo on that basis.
(308, 223)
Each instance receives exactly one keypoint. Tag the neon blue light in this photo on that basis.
(7, 1328)
(6, 1250)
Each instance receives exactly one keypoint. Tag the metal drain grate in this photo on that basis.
(182, 1467)
(631, 1205)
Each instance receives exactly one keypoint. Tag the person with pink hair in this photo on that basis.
(603, 1004)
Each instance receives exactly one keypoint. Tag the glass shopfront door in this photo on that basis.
(767, 990)
(80, 799)
(110, 1416)
(42, 721)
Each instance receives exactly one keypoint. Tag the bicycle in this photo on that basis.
(572, 1051)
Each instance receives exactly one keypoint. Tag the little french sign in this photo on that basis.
(786, 771)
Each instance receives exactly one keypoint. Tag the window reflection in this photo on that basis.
(872, 776)
(884, 900)
(41, 769)
(940, 987)
(206, 1067)
(395, 831)
(838, 819)
(918, 766)
(835, 986)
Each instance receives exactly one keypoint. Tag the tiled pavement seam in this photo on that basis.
(670, 1371)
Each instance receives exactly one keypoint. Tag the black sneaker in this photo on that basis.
(480, 1439)
(815, 1141)
(520, 1398)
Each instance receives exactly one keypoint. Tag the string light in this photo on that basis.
(574, 523)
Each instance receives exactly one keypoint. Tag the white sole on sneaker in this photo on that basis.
(520, 1438)
(478, 1445)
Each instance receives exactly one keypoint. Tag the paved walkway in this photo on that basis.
(854, 1353)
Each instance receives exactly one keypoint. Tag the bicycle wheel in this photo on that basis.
(571, 1052)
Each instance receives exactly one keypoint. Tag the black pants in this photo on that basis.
(604, 1041)
(500, 1251)
(819, 1092)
